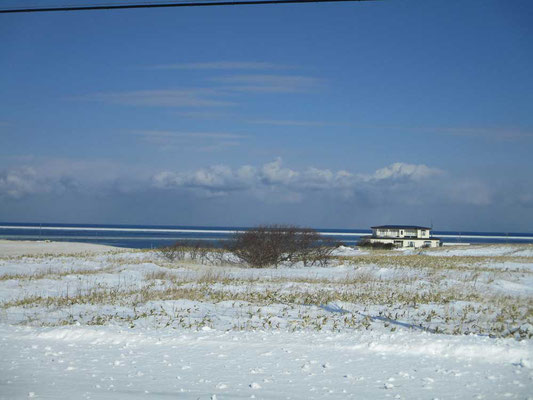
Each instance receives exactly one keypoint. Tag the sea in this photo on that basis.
(153, 236)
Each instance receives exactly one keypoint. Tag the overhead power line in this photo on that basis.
(167, 5)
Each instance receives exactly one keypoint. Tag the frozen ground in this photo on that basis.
(449, 323)
(27, 247)
(112, 362)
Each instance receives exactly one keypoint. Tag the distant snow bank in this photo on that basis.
(13, 248)
(345, 251)
(461, 249)
(487, 250)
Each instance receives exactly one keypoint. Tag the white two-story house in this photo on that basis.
(403, 236)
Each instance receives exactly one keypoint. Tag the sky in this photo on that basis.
(334, 115)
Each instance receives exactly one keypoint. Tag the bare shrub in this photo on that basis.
(375, 245)
(206, 252)
(173, 252)
(268, 245)
(320, 253)
(195, 249)
(202, 254)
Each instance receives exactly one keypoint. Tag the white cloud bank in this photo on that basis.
(69, 190)
(19, 182)
(398, 183)
(409, 171)
(22, 181)
(275, 175)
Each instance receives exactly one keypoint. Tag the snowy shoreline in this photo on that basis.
(35, 247)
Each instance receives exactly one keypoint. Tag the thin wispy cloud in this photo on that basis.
(220, 65)
(188, 135)
(269, 83)
(280, 122)
(504, 134)
(164, 98)
(481, 132)
(209, 92)
(201, 141)
(218, 147)
(203, 114)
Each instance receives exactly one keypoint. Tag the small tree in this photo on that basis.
(267, 245)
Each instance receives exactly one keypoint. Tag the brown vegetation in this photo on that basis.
(269, 245)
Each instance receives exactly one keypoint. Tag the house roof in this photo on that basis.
(399, 227)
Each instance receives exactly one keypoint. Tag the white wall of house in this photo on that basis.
(422, 233)
(400, 233)
(414, 243)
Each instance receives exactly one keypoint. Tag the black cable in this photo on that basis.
(161, 5)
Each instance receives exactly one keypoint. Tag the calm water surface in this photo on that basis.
(148, 236)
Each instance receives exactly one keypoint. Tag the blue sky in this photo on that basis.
(327, 115)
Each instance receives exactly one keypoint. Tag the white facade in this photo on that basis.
(415, 243)
(401, 232)
(403, 236)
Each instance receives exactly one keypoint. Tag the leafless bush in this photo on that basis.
(375, 245)
(320, 253)
(173, 252)
(202, 254)
(274, 244)
(195, 250)
(208, 253)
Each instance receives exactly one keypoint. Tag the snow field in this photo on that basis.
(370, 325)
(452, 295)
(110, 362)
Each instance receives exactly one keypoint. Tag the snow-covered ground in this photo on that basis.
(448, 323)
(111, 362)
(34, 247)
(483, 250)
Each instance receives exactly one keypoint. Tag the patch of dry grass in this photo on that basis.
(55, 273)
(455, 263)
(434, 293)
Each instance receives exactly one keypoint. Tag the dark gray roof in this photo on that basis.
(400, 227)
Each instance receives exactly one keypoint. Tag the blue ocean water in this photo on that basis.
(151, 236)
